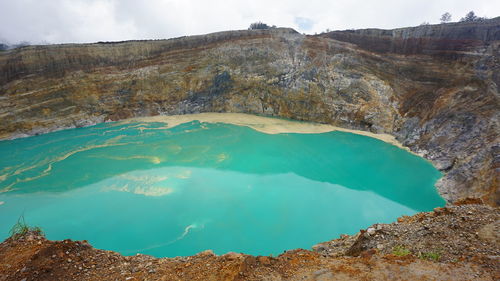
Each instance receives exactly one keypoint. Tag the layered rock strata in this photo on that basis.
(433, 87)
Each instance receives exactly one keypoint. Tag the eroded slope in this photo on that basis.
(443, 105)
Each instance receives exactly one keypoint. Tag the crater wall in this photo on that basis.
(433, 87)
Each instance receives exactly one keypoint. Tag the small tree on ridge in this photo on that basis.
(471, 16)
(258, 25)
(446, 17)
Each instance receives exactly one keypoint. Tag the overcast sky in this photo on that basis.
(59, 21)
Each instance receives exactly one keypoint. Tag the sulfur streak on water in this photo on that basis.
(143, 187)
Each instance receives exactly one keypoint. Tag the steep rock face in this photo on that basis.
(439, 39)
(444, 107)
(455, 122)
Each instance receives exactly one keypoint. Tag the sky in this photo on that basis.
(78, 21)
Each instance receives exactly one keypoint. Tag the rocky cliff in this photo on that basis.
(433, 87)
(439, 39)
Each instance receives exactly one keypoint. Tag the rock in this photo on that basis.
(370, 231)
(444, 164)
(233, 255)
(264, 260)
(319, 275)
(368, 253)
(206, 253)
(319, 247)
(402, 40)
(490, 233)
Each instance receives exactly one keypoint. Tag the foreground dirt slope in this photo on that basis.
(455, 243)
(433, 87)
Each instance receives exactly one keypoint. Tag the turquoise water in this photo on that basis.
(141, 188)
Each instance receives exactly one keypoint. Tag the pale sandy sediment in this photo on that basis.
(262, 124)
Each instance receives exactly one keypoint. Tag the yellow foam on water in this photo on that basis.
(143, 128)
(154, 191)
(152, 159)
(115, 139)
(122, 129)
(184, 174)
(145, 179)
(222, 157)
(51, 162)
(9, 168)
(193, 153)
(174, 148)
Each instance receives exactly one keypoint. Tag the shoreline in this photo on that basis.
(374, 253)
(267, 125)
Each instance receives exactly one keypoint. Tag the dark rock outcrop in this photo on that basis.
(438, 39)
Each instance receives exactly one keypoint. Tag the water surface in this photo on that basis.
(144, 188)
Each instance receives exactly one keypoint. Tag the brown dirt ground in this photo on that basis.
(454, 243)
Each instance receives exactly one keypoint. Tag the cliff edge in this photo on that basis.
(427, 246)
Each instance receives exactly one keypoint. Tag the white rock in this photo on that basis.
(370, 230)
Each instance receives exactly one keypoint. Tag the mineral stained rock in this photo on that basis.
(433, 87)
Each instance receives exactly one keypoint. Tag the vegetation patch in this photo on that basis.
(400, 251)
(430, 256)
(21, 228)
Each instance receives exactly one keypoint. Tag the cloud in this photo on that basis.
(58, 21)
(304, 24)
